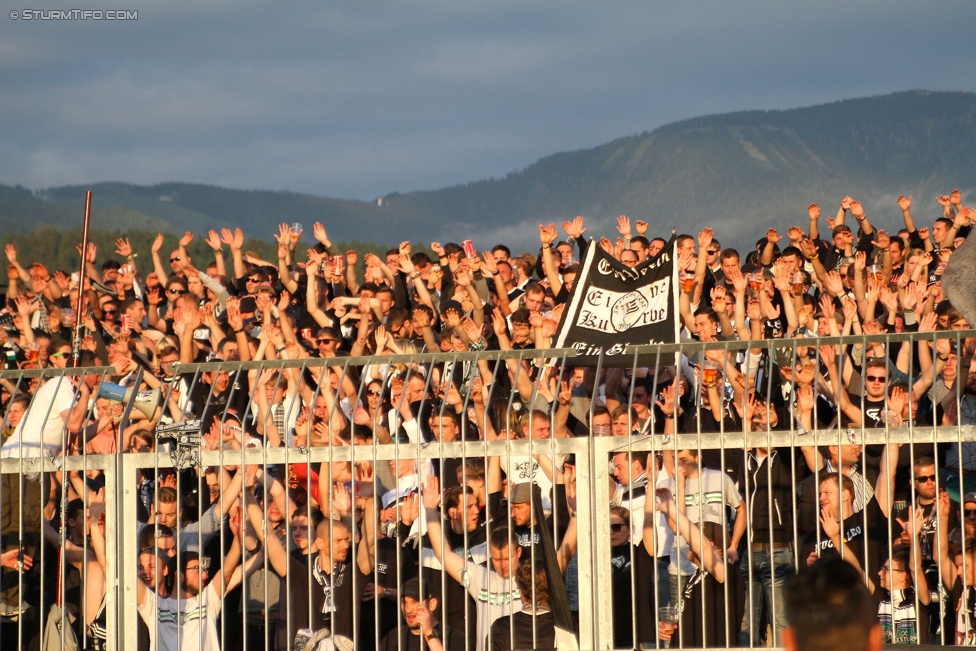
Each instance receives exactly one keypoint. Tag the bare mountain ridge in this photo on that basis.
(739, 172)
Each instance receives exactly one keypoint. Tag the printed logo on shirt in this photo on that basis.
(498, 598)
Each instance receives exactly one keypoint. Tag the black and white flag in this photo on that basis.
(612, 306)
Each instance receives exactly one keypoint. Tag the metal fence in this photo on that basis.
(616, 587)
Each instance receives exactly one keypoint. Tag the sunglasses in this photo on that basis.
(371, 392)
(107, 312)
(175, 259)
(59, 354)
(970, 514)
(176, 291)
(875, 378)
(924, 479)
(326, 341)
(617, 527)
(712, 252)
(253, 280)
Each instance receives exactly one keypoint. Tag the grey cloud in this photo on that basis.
(360, 99)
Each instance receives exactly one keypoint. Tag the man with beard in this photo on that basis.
(419, 607)
(189, 621)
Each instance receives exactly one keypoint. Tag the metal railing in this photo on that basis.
(180, 453)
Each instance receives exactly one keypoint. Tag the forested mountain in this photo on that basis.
(740, 172)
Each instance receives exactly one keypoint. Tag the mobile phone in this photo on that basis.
(469, 249)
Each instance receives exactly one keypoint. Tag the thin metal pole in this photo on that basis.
(79, 317)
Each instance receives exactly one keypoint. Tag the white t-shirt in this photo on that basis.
(496, 597)
(522, 469)
(180, 629)
(706, 497)
(42, 426)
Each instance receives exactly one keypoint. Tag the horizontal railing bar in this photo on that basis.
(684, 346)
(427, 358)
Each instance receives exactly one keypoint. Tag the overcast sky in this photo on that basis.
(356, 99)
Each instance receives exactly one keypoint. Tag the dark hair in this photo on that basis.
(504, 249)
(828, 607)
(728, 254)
(640, 239)
(74, 508)
(503, 537)
(453, 497)
(528, 581)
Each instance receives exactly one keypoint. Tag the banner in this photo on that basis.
(613, 305)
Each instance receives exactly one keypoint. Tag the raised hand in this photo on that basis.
(955, 198)
(928, 322)
(705, 238)
(498, 323)
(213, 240)
(795, 234)
(719, 300)
(318, 232)
(186, 239)
(157, 243)
(640, 227)
(623, 226)
(805, 398)
(773, 236)
(489, 262)
(575, 228)
(122, 247)
(904, 203)
(668, 402)
(883, 241)
(814, 211)
(834, 284)
(827, 307)
(472, 329)
(547, 234)
(451, 318)
(432, 493)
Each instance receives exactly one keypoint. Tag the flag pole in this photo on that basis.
(79, 319)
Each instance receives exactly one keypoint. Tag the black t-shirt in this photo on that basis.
(517, 632)
(452, 639)
(719, 627)
(394, 567)
(862, 533)
(335, 595)
(633, 603)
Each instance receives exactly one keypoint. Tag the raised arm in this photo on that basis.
(711, 562)
(453, 563)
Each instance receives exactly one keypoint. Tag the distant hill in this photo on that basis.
(740, 172)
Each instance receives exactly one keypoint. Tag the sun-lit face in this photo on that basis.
(444, 428)
(622, 468)
(501, 561)
(619, 532)
(521, 514)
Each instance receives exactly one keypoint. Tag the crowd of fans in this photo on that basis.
(480, 552)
